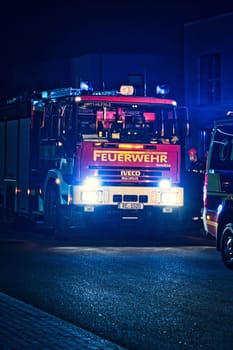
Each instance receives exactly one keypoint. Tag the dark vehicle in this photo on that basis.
(218, 189)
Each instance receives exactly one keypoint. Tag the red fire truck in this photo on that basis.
(74, 157)
(218, 188)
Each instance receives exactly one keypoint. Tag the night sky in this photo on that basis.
(37, 30)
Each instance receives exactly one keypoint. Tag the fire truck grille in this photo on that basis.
(121, 174)
(117, 198)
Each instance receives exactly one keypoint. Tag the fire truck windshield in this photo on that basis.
(136, 123)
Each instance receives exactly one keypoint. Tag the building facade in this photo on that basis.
(208, 74)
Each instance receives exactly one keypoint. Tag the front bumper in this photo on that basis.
(127, 198)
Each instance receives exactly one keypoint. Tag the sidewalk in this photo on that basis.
(25, 327)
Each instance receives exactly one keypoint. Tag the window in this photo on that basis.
(222, 151)
(210, 84)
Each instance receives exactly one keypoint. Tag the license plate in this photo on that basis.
(130, 205)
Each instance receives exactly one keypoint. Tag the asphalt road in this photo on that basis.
(171, 293)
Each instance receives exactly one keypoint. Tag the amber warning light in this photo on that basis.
(127, 90)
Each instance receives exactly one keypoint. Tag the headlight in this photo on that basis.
(219, 209)
(91, 183)
(90, 192)
(165, 183)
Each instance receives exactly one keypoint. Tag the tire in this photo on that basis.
(55, 220)
(227, 246)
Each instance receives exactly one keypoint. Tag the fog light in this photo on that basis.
(168, 198)
(92, 196)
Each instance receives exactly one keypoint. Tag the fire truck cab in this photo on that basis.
(218, 189)
(74, 157)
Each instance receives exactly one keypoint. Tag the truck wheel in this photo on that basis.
(227, 246)
(54, 215)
